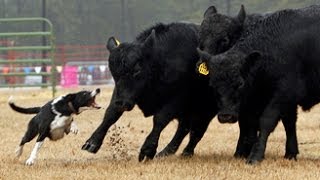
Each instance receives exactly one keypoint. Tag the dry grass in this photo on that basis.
(117, 158)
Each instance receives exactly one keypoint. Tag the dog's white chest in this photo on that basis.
(59, 126)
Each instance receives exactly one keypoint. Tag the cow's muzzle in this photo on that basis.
(227, 118)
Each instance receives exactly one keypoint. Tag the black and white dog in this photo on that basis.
(54, 119)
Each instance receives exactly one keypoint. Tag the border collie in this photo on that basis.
(54, 119)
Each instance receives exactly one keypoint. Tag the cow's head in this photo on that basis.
(219, 32)
(228, 73)
(130, 69)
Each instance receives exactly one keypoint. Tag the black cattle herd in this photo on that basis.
(254, 69)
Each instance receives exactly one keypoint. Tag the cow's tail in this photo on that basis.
(33, 110)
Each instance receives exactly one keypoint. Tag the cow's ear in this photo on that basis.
(202, 64)
(249, 62)
(211, 10)
(112, 43)
(242, 14)
(204, 56)
(150, 39)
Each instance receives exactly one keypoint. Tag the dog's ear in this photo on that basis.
(69, 97)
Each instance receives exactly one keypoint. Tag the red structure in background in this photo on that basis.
(67, 53)
(91, 62)
(10, 55)
(70, 53)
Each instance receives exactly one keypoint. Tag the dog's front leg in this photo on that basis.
(34, 153)
(74, 128)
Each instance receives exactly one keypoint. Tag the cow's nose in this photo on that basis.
(227, 118)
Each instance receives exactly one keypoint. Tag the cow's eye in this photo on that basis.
(136, 74)
(241, 84)
(136, 70)
(224, 41)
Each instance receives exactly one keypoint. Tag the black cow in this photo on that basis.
(219, 33)
(156, 72)
(271, 69)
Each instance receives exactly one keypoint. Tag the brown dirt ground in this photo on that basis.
(117, 158)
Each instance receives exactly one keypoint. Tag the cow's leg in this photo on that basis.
(172, 147)
(289, 118)
(247, 138)
(268, 122)
(196, 133)
(248, 135)
(111, 115)
(149, 147)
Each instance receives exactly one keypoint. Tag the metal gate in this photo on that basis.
(45, 61)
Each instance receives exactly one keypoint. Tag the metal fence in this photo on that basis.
(46, 65)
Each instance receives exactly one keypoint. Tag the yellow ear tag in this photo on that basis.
(117, 42)
(203, 69)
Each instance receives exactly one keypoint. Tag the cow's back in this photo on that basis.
(269, 32)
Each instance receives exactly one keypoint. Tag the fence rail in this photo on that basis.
(20, 62)
(73, 64)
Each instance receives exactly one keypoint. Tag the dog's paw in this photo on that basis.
(30, 161)
(74, 128)
(19, 151)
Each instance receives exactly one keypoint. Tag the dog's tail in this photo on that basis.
(33, 110)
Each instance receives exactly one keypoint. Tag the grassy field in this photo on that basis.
(213, 157)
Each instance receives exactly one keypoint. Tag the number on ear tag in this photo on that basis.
(203, 69)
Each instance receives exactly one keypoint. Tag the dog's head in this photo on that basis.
(83, 100)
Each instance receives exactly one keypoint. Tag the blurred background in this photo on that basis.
(81, 28)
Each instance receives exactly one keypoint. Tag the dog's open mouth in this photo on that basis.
(92, 103)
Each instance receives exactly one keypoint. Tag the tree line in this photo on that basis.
(92, 22)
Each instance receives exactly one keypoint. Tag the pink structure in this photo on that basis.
(69, 76)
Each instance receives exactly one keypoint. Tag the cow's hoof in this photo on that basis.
(291, 157)
(91, 146)
(253, 161)
(143, 157)
(187, 153)
(241, 154)
(147, 154)
(254, 158)
(146, 157)
(165, 153)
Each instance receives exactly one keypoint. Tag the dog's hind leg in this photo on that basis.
(33, 156)
(31, 133)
